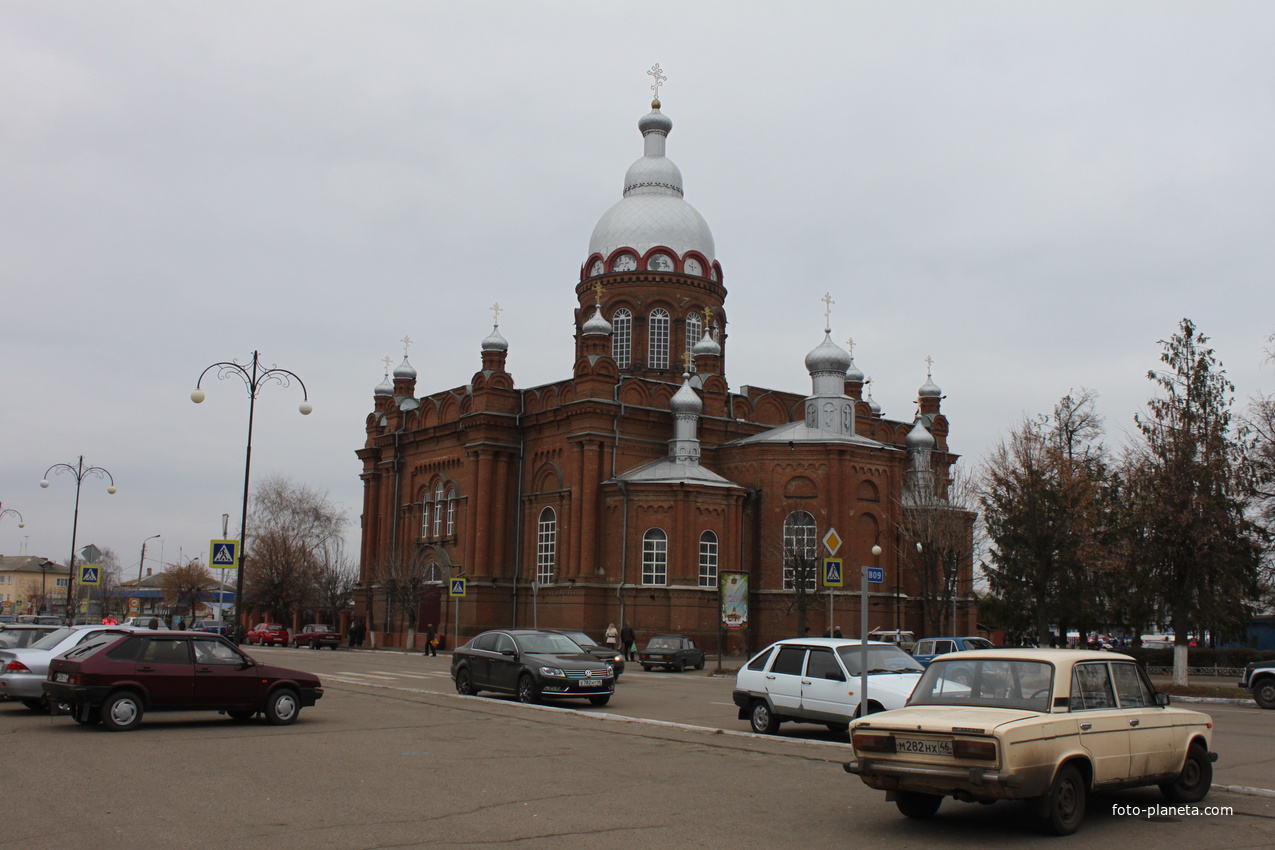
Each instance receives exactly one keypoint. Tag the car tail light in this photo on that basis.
(974, 750)
(16, 666)
(874, 743)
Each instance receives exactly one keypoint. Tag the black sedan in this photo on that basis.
(603, 653)
(672, 652)
(532, 665)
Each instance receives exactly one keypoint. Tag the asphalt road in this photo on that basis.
(392, 757)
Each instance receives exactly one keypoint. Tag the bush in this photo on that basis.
(1201, 656)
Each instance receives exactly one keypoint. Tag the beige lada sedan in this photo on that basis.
(1047, 725)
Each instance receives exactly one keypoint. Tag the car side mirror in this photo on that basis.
(1161, 698)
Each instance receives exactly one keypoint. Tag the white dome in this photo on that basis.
(827, 356)
(919, 437)
(494, 341)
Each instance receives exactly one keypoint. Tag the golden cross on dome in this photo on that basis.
(407, 341)
(827, 309)
(495, 312)
(597, 289)
(659, 77)
(388, 362)
(686, 361)
(708, 316)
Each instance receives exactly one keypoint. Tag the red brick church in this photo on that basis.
(642, 488)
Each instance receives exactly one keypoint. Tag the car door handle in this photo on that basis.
(1085, 727)
(203, 669)
(145, 669)
(805, 681)
(770, 676)
(1134, 721)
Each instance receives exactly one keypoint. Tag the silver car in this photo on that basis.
(22, 671)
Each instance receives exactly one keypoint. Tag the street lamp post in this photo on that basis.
(4, 513)
(79, 471)
(253, 381)
(142, 559)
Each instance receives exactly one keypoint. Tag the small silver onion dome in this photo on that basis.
(385, 387)
(929, 389)
(494, 341)
(405, 370)
(706, 345)
(872, 402)
(919, 437)
(596, 324)
(827, 357)
(685, 400)
(854, 373)
(655, 121)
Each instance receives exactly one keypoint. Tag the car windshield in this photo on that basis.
(548, 645)
(881, 659)
(581, 638)
(320, 628)
(665, 643)
(986, 682)
(52, 639)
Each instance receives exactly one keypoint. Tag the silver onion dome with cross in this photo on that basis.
(652, 212)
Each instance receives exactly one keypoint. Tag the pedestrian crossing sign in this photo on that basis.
(90, 574)
(457, 587)
(223, 554)
(832, 573)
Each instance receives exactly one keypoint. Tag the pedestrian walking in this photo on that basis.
(630, 642)
(613, 636)
(431, 640)
(357, 631)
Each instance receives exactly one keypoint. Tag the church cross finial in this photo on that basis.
(495, 313)
(850, 346)
(929, 366)
(388, 362)
(708, 316)
(597, 290)
(407, 341)
(686, 361)
(827, 309)
(659, 78)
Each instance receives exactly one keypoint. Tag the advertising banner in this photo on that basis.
(734, 596)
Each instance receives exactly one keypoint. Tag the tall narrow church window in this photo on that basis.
(546, 546)
(425, 519)
(655, 557)
(801, 550)
(708, 559)
(438, 510)
(694, 333)
(622, 337)
(657, 336)
(451, 512)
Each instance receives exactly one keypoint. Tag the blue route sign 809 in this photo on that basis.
(876, 575)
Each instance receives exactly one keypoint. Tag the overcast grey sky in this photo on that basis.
(1031, 193)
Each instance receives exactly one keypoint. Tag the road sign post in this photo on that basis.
(870, 575)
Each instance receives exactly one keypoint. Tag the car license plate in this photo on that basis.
(60, 677)
(929, 748)
(590, 683)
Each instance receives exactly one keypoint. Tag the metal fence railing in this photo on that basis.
(1217, 672)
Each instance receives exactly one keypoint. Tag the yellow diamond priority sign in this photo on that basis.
(832, 541)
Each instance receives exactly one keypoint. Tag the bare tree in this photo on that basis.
(400, 578)
(937, 532)
(336, 577)
(185, 584)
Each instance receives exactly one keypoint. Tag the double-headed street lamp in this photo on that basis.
(253, 381)
(6, 511)
(79, 471)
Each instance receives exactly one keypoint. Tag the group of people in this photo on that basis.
(623, 639)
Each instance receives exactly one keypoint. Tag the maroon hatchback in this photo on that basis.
(116, 677)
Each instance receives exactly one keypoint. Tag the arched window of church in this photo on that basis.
(708, 559)
(801, 550)
(433, 574)
(657, 336)
(425, 506)
(546, 546)
(438, 509)
(622, 337)
(655, 557)
(451, 512)
(694, 333)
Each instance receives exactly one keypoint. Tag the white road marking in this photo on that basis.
(363, 675)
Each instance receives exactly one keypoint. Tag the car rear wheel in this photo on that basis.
(600, 699)
(122, 712)
(646, 667)
(527, 690)
(679, 666)
(1065, 801)
(36, 704)
(762, 719)
(465, 683)
(914, 804)
(838, 728)
(282, 707)
(1264, 693)
(1195, 780)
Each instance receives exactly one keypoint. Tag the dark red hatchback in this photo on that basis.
(118, 676)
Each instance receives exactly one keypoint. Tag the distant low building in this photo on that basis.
(31, 583)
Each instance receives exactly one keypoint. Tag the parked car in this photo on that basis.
(1049, 725)
(115, 678)
(263, 634)
(21, 635)
(902, 638)
(23, 670)
(927, 649)
(603, 653)
(216, 627)
(816, 680)
(317, 636)
(145, 621)
(672, 652)
(1259, 680)
(533, 665)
